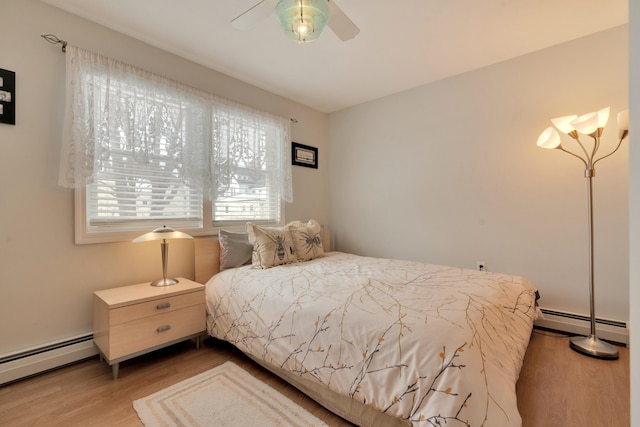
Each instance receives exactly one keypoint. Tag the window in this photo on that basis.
(143, 151)
(246, 166)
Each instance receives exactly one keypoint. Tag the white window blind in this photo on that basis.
(128, 195)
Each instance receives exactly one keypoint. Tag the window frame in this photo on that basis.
(87, 234)
(83, 236)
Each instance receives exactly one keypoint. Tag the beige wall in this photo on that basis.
(47, 281)
(450, 173)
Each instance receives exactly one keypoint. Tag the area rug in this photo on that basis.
(223, 396)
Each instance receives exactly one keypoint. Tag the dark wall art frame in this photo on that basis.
(7, 97)
(304, 155)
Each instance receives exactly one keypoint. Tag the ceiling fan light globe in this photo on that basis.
(302, 20)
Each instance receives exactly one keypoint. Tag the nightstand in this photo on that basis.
(132, 320)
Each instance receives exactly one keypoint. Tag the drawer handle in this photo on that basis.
(163, 328)
(163, 306)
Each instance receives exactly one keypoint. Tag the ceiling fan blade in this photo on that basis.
(340, 23)
(250, 18)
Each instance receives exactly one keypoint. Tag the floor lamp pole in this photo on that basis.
(592, 345)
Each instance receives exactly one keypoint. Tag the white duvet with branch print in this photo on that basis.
(428, 344)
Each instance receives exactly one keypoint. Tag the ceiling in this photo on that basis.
(402, 43)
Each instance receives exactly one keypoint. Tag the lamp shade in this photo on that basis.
(549, 138)
(302, 20)
(623, 123)
(603, 117)
(589, 123)
(162, 233)
(586, 124)
(564, 123)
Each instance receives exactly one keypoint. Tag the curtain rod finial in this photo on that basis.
(55, 40)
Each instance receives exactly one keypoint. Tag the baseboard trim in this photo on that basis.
(31, 362)
(577, 324)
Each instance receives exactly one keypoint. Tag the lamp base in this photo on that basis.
(593, 346)
(164, 282)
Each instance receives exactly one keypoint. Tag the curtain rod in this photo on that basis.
(55, 40)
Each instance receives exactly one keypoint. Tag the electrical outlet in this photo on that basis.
(481, 266)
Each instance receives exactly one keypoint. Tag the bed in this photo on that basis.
(377, 341)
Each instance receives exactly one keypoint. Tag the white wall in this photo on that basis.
(47, 281)
(450, 173)
(634, 199)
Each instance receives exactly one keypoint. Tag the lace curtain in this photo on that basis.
(110, 103)
(249, 142)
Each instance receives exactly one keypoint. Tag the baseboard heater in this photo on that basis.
(33, 361)
(611, 330)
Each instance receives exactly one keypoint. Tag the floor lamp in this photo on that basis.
(591, 124)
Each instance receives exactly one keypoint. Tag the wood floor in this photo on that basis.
(557, 387)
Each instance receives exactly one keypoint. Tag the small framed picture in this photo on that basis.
(304, 155)
(7, 97)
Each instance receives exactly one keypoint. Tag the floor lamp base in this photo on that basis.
(593, 346)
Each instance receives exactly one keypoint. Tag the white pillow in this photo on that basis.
(306, 239)
(271, 246)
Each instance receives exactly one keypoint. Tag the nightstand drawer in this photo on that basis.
(155, 307)
(151, 331)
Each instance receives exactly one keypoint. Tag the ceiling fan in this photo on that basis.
(302, 20)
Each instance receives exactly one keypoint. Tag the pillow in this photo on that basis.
(306, 239)
(235, 249)
(271, 246)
